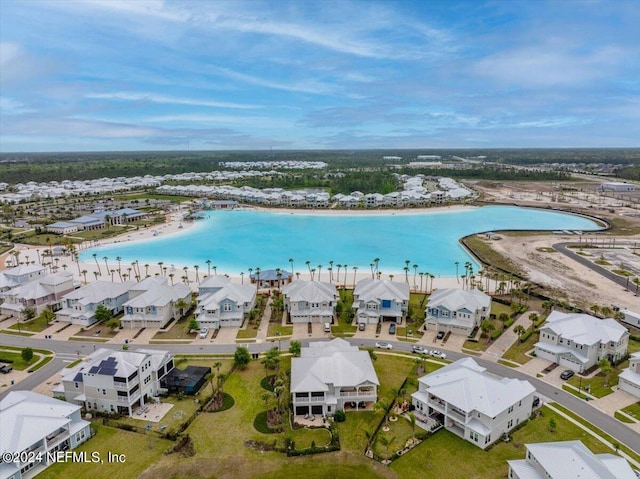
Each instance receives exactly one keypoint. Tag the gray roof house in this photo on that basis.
(21, 274)
(152, 303)
(568, 460)
(378, 300)
(310, 301)
(332, 376)
(38, 293)
(79, 306)
(579, 341)
(629, 378)
(457, 311)
(222, 303)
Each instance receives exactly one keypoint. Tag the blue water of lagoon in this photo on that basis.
(237, 240)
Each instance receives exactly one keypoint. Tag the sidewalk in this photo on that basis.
(261, 337)
(507, 338)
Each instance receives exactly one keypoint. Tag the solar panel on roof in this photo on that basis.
(108, 371)
(78, 378)
(93, 370)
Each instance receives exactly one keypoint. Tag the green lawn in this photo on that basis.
(34, 325)
(250, 332)
(517, 350)
(140, 451)
(596, 384)
(178, 330)
(18, 363)
(499, 308)
(633, 410)
(274, 328)
(344, 323)
(439, 452)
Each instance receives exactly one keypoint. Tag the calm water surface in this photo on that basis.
(237, 240)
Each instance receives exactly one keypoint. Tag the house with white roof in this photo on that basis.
(153, 303)
(458, 311)
(579, 341)
(39, 293)
(310, 301)
(568, 460)
(19, 275)
(79, 306)
(37, 427)
(115, 382)
(62, 228)
(222, 303)
(631, 318)
(88, 223)
(472, 403)
(629, 378)
(332, 376)
(379, 300)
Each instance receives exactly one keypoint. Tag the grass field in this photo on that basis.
(178, 330)
(633, 410)
(517, 350)
(275, 328)
(34, 325)
(18, 363)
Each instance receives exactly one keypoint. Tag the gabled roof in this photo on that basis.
(456, 299)
(334, 362)
(110, 362)
(311, 291)
(585, 329)
(27, 417)
(40, 286)
(22, 270)
(238, 293)
(272, 275)
(98, 291)
(160, 295)
(468, 386)
(370, 289)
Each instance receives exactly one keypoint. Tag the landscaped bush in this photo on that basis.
(509, 322)
(267, 382)
(526, 335)
(496, 334)
(340, 416)
(260, 424)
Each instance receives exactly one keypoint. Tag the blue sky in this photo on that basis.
(171, 75)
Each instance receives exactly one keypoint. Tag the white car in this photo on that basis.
(438, 354)
(383, 345)
(204, 332)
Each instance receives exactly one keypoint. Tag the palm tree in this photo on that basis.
(96, 274)
(209, 377)
(377, 263)
(386, 442)
(345, 275)
(415, 273)
(171, 275)
(406, 274)
(595, 308)
(242, 277)
(291, 262)
(331, 271)
(457, 263)
(105, 263)
(95, 257)
(113, 271)
(208, 267)
(412, 420)
(84, 274)
(355, 268)
(215, 270)
(160, 263)
(146, 270)
(605, 368)
(373, 274)
(308, 263)
(319, 271)
(257, 279)
(383, 405)
(338, 274)
(519, 330)
(533, 317)
(606, 311)
(196, 267)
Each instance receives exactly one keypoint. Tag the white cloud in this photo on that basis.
(10, 106)
(154, 98)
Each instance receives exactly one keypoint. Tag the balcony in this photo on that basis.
(52, 441)
(457, 416)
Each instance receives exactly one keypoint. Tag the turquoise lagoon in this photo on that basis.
(237, 240)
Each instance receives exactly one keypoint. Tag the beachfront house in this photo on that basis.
(79, 306)
(271, 278)
(34, 428)
(565, 459)
(457, 311)
(332, 376)
(152, 303)
(472, 403)
(631, 318)
(629, 378)
(19, 275)
(37, 294)
(222, 303)
(579, 341)
(310, 301)
(113, 382)
(378, 300)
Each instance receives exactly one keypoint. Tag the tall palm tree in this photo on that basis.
(345, 275)
(160, 263)
(96, 274)
(373, 274)
(308, 263)
(406, 274)
(319, 271)
(421, 278)
(338, 274)
(331, 271)
(415, 272)
(355, 269)
(291, 262)
(146, 270)
(196, 267)
(215, 270)
(457, 263)
(377, 263)
(242, 277)
(84, 274)
(208, 267)
(257, 279)
(105, 263)
(171, 275)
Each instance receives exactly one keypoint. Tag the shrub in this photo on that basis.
(526, 335)
(340, 416)
(496, 334)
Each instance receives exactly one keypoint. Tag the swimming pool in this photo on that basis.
(237, 240)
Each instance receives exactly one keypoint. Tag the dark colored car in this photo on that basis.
(566, 374)
(362, 326)
(5, 369)
(392, 328)
(440, 335)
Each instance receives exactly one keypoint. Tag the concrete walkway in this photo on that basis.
(264, 323)
(507, 338)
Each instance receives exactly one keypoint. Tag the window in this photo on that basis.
(510, 410)
(226, 307)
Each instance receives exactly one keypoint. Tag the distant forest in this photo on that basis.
(23, 167)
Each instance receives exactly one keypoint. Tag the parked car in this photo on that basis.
(416, 348)
(203, 332)
(438, 354)
(362, 326)
(440, 335)
(392, 328)
(5, 369)
(383, 345)
(566, 374)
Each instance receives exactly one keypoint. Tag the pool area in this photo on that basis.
(237, 240)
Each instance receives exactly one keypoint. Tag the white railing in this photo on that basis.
(357, 393)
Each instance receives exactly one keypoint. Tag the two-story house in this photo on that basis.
(222, 303)
(310, 301)
(629, 378)
(332, 376)
(37, 294)
(378, 300)
(79, 306)
(579, 341)
(564, 459)
(37, 427)
(472, 403)
(457, 311)
(115, 381)
(153, 303)
(19, 275)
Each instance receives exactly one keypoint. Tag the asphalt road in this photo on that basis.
(68, 350)
(624, 282)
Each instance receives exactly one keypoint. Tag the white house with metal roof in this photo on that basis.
(331, 376)
(222, 303)
(79, 306)
(37, 294)
(629, 378)
(115, 381)
(568, 460)
(37, 427)
(458, 311)
(153, 303)
(62, 228)
(378, 300)
(21, 274)
(579, 341)
(471, 402)
(631, 318)
(310, 301)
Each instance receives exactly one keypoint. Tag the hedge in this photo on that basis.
(526, 335)
(496, 334)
